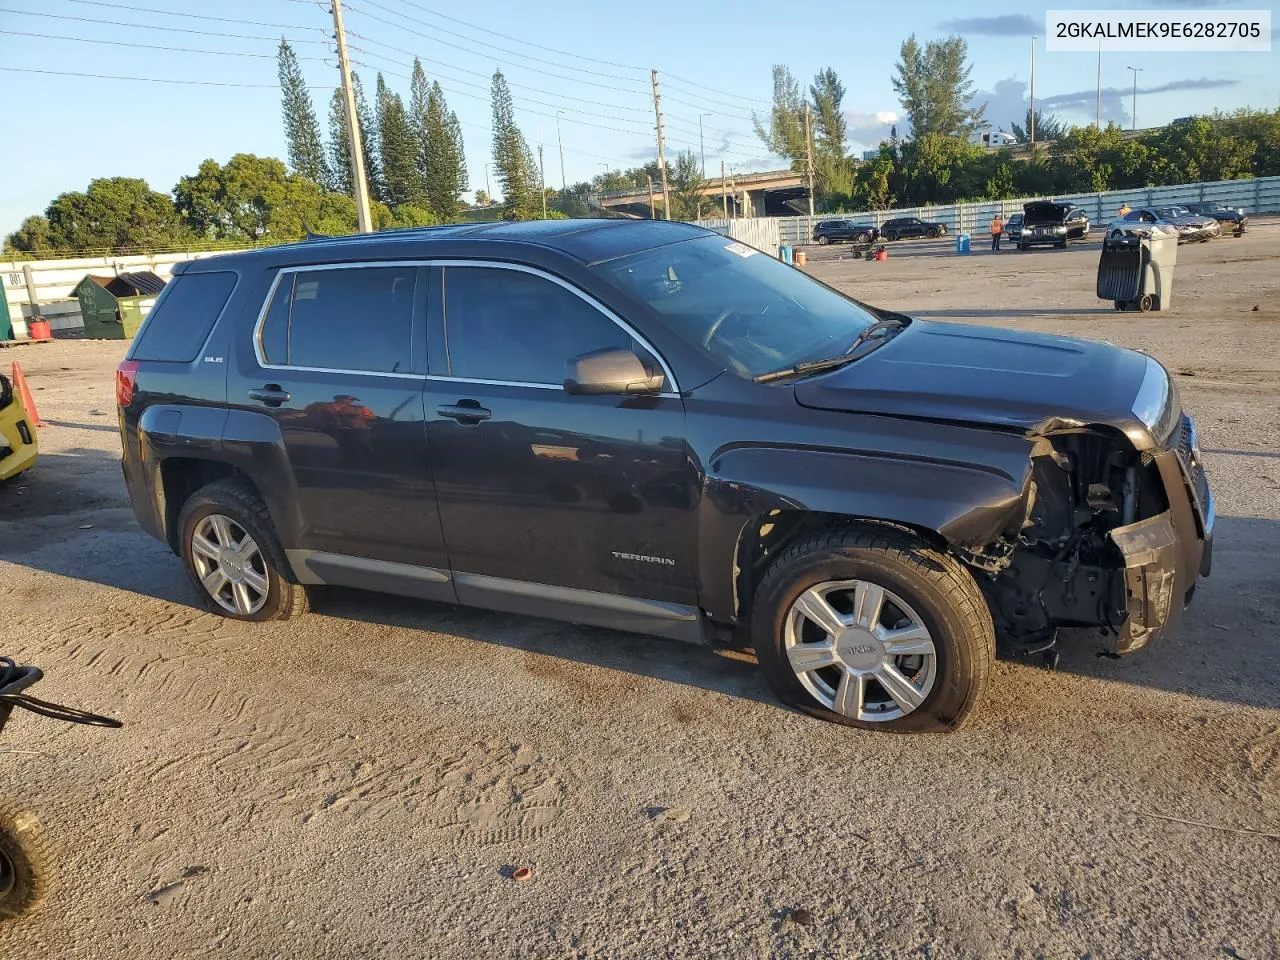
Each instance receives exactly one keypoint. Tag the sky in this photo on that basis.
(589, 63)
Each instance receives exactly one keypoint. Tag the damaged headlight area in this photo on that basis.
(1097, 547)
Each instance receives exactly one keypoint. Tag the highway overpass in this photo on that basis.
(773, 193)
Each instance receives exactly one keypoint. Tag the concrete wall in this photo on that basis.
(55, 279)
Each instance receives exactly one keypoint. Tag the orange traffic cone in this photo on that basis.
(24, 394)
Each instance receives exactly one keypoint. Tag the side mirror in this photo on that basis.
(610, 371)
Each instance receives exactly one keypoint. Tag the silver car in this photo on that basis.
(1189, 226)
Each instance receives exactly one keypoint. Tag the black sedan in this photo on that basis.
(1013, 227)
(844, 231)
(1230, 219)
(911, 227)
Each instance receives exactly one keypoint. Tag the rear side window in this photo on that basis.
(358, 319)
(184, 315)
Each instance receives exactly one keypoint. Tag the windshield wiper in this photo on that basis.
(830, 363)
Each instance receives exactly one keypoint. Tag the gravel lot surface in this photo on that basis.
(363, 782)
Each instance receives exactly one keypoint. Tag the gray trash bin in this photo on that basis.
(1135, 271)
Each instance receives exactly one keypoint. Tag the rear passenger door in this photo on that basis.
(337, 360)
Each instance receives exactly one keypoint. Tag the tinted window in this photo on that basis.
(181, 319)
(748, 310)
(350, 319)
(519, 327)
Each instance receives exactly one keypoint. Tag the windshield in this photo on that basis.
(751, 312)
(1170, 213)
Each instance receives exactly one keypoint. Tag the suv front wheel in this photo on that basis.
(872, 627)
(233, 556)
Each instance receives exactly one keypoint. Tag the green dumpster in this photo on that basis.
(114, 307)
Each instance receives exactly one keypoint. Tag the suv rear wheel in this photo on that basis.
(823, 239)
(869, 626)
(233, 556)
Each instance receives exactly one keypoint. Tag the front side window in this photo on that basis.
(746, 309)
(358, 319)
(517, 327)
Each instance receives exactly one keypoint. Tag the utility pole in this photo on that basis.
(488, 190)
(724, 192)
(653, 214)
(560, 140)
(662, 146)
(1032, 123)
(542, 182)
(702, 144)
(1136, 71)
(1097, 97)
(360, 186)
(808, 155)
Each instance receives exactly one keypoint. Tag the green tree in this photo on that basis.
(446, 168)
(339, 145)
(120, 214)
(783, 132)
(517, 171)
(1199, 149)
(483, 199)
(34, 238)
(401, 175)
(934, 87)
(1262, 129)
(1048, 127)
(301, 128)
(833, 171)
(369, 143)
(686, 184)
(249, 198)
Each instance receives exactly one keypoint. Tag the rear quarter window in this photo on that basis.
(184, 315)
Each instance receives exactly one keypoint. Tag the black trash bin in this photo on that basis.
(1135, 271)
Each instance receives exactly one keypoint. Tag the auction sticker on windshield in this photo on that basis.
(741, 249)
(1158, 31)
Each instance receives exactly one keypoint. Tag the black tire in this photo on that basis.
(1062, 245)
(285, 597)
(932, 233)
(823, 240)
(863, 238)
(1022, 246)
(26, 862)
(938, 586)
(1120, 306)
(1145, 303)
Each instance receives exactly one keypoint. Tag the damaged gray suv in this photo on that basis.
(649, 427)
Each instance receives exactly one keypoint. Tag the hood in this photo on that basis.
(984, 375)
(1193, 220)
(1041, 211)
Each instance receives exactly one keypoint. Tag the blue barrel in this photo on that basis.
(962, 243)
(785, 252)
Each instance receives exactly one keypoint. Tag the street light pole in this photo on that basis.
(1136, 71)
(702, 144)
(560, 140)
(488, 190)
(1032, 123)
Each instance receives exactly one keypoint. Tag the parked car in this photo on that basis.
(1047, 222)
(19, 446)
(1191, 227)
(1230, 219)
(1013, 227)
(647, 426)
(839, 231)
(911, 227)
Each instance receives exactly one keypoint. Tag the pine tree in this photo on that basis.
(512, 157)
(398, 148)
(419, 105)
(459, 151)
(369, 143)
(339, 145)
(446, 168)
(301, 128)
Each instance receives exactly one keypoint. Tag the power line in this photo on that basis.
(152, 26)
(109, 76)
(491, 46)
(477, 73)
(680, 81)
(153, 46)
(529, 43)
(192, 16)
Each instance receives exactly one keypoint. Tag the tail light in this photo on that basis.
(126, 381)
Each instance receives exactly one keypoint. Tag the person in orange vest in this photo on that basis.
(997, 230)
(1125, 209)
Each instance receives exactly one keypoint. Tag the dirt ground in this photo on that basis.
(361, 783)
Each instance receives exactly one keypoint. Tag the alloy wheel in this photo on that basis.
(860, 650)
(229, 564)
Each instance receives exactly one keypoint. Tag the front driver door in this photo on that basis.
(592, 494)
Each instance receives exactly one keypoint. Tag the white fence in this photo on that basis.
(54, 280)
(760, 232)
(1260, 195)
